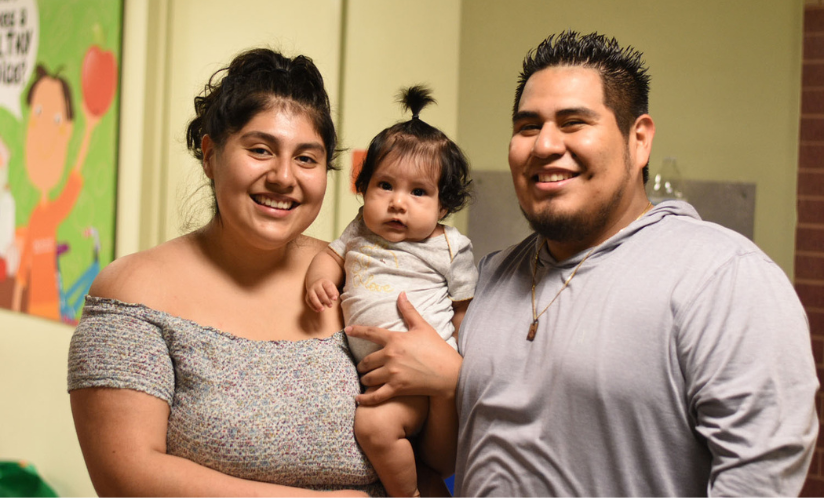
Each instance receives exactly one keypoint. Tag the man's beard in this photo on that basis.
(572, 227)
(578, 226)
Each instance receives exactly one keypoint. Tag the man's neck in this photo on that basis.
(563, 250)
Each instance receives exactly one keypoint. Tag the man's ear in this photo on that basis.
(207, 146)
(641, 135)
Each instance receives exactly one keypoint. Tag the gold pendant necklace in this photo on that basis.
(533, 327)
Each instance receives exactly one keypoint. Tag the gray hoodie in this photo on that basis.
(676, 362)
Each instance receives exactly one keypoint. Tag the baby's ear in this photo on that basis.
(443, 213)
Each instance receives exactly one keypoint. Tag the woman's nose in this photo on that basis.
(281, 173)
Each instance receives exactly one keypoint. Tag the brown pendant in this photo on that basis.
(533, 329)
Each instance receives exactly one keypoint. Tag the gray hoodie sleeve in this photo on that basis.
(750, 378)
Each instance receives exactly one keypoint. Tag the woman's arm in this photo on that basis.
(418, 362)
(122, 434)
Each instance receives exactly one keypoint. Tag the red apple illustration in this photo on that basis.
(98, 79)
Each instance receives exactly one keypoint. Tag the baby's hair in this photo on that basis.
(429, 147)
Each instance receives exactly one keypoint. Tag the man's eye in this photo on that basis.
(529, 128)
(384, 186)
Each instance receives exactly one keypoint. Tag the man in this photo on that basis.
(621, 349)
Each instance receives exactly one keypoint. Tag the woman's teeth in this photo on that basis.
(273, 203)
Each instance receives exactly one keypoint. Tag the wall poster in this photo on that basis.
(59, 101)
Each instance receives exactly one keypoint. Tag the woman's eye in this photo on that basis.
(384, 186)
(259, 151)
(306, 160)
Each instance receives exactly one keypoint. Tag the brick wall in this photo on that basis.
(809, 235)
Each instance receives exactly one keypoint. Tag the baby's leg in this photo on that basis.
(382, 432)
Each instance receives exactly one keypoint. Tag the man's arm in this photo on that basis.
(750, 378)
(418, 362)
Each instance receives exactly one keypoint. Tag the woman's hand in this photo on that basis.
(418, 362)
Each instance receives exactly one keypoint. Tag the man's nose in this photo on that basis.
(549, 141)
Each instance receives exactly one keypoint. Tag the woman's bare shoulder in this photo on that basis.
(312, 245)
(134, 277)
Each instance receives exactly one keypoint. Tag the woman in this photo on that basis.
(197, 369)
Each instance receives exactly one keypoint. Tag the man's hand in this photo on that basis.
(418, 362)
(320, 294)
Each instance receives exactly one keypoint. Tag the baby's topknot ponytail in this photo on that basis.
(415, 98)
(427, 146)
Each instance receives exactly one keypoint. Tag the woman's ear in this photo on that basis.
(207, 146)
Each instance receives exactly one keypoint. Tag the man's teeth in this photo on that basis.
(275, 204)
(554, 177)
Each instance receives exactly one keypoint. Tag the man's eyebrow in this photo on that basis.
(521, 115)
(578, 111)
(572, 111)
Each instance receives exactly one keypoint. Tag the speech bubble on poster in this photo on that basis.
(19, 37)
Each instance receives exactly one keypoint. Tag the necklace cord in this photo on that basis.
(533, 327)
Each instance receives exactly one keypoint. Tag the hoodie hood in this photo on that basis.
(655, 215)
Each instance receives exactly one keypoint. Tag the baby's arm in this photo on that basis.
(323, 278)
(459, 310)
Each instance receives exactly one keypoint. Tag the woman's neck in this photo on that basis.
(241, 261)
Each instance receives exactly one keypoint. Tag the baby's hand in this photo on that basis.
(320, 294)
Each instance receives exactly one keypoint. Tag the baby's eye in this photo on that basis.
(419, 192)
(384, 186)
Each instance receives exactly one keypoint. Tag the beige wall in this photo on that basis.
(390, 45)
(725, 87)
(726, 114)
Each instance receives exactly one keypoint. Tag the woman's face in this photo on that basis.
(269, 177)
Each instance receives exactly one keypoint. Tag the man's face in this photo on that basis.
(575, 173)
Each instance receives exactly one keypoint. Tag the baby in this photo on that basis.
(413, 176)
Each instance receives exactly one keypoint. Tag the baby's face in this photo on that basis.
(401, 202)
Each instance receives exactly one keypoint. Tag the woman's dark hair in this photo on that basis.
(428, 145)
(254, 81)
(40, 73)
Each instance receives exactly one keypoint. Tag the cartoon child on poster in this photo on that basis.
(48, 133)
